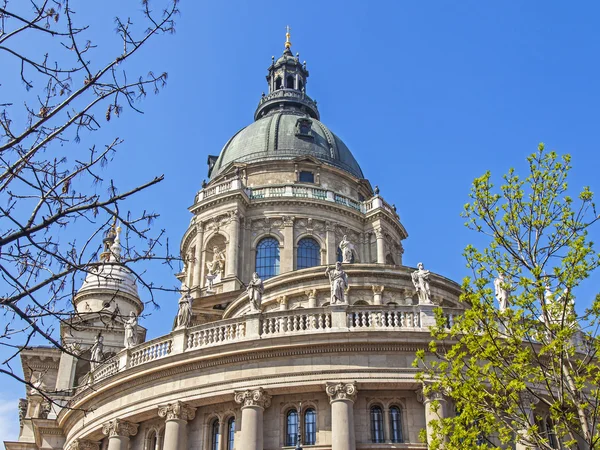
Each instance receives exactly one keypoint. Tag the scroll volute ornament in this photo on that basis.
(177, 411)
(253, 397)
(119, 427)
(341, 391)
(84, 444)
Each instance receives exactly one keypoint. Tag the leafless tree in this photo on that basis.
(52, 187)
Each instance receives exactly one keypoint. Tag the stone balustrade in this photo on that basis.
(299, 320)
(398, 317)
(221, 332)
(295, 191)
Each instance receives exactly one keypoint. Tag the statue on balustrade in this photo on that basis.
(346, 247)
(184, 314)
(131, 330)
(339, 283)
(215, 268)
(97, 352)
(255, 292)
(420, 279)
(502, 290)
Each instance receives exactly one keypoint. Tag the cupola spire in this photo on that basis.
(288, 43)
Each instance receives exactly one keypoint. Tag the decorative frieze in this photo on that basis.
(84, 444)
(341, 391)
(177, 411)
(121, 428)
(253, 397)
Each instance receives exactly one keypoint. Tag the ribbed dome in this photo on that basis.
(110, 276)
(285, 135)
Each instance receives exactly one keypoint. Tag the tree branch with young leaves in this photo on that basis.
(57, 195)
(525, 374)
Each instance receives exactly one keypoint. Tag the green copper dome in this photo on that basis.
(286, 125)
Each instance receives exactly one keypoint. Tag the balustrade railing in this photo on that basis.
(216, 333)
(106, 369)
(384, 318)
(155, 349)
(282, 322)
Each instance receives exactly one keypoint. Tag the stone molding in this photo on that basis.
(177, 411)
(121, 428)
(84, 444)
(253, 397)
(341, 391)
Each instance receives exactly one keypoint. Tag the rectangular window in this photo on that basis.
(307, 177)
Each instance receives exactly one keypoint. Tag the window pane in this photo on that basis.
(291, 434)
(376, 424)
(308, 253)
(267, 258)
(307, 177)
(215, 435)
(230, 433)
(310, 427)
(395, 424)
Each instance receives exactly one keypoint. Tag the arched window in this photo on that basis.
(389, 259)
(396, 424)
(230, 432)
(310, 427)
(309, 253)
(290, 82)
(376, 425)
(291, 429)
(267, 258)
(214, 435)
(278, 83)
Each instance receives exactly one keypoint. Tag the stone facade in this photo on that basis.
(337, 376)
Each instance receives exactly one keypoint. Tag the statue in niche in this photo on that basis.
(184, 314)
(346, 248)
(420, 279)
(502, 291)
(97, 352)
(255, 292)
(215, 268)
(339, 283)
(131, 330)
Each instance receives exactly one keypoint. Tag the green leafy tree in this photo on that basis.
(523, 374)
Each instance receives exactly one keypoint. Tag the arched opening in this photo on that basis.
(309, 253)
(300, 85)
(215, 435)
(396, 424)
(291, 428)
(310, 427)
(389, 259)
(230, 433)
(277, 83)
(214, 259)
(361, 303)
(267, 258)
(289, 82)
(376, 425)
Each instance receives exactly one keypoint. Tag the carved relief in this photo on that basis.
(118, 427)
(341, 391)
(177, 411)
(84, 444)
(253, 397)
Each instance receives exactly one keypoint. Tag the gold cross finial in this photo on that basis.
(288, 43)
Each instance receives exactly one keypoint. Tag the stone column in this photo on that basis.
(380, 246)
(83, 444)
(287, 255)
(435, 409)
(233, 247)
(118, 432)
(312, 297)
(198, 256)
(330, 243)
(254, 402)
(342, 397)
(177, 415)
(377, 294)
(528, 402)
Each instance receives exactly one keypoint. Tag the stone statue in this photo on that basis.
(502, 292)
(131, 330)
(420, 279)
(184, 315)
(215, 267)
(339, 283)
(97, 352)
(346, 247)
(255, 291)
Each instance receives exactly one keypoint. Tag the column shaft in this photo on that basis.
(198, 256)
(175, 434)
(287, 255)
(233, 247)
(252, 427)
(380, 248)
(330, 242)
(118, 443)
(342, 425)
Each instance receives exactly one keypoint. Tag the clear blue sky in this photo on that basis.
(427, 95)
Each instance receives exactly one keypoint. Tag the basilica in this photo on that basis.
(297, 324)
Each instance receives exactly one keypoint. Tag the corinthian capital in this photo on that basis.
(177, 411)
(341, 391)
(253, 397)
(118, 427)
(84, 444)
